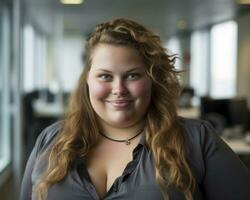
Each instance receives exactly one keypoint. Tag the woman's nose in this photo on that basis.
(119, 88)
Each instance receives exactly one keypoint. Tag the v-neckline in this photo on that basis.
(130, 167)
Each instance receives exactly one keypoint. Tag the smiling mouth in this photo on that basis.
(120, 103)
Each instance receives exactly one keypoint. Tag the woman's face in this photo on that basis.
(119, 87)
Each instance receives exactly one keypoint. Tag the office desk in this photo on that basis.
(192, 112)
(239, 146)
(45, 109)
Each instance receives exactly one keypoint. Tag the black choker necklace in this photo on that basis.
(127, 141)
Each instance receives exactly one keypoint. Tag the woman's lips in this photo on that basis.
(119, 103)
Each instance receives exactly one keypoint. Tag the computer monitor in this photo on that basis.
(216, 111)
(223, 113)
(238, 112)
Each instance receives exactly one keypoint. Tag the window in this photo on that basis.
(35, 59)
(199, 72)
(70, 62)
(29, 62)
(174, 47)
(223, 59)
(4, 87)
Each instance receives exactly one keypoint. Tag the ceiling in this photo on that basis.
(166, 17)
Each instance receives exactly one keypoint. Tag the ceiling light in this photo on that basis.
(243, 1)
(75, 2)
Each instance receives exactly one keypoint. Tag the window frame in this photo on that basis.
(5, 153)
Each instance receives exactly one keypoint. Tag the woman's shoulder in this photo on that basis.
(47, 136)
(197, 129)
(201, 141)
(191, 124)
(200, 134)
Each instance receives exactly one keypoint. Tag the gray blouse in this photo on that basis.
(218, 171)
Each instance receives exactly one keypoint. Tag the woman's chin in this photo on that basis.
(122, 122)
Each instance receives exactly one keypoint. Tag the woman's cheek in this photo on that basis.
(99, 90)
(142, 88)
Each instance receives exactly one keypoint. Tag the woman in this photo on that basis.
(122, 138)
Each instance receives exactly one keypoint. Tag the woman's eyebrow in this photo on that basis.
(104, 70)
(128, 71)
(133, 69)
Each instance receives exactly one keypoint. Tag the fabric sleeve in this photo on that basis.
(42, 143)
(225, 176)
(26, 187)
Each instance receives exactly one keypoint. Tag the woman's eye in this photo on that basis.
(105, 77)
(133, 76)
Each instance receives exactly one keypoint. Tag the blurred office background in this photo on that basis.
(41, 58)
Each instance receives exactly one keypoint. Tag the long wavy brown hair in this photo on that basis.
(164, 134)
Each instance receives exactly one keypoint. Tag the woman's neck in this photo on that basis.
(122, 133)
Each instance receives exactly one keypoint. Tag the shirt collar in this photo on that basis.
(142, 141)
